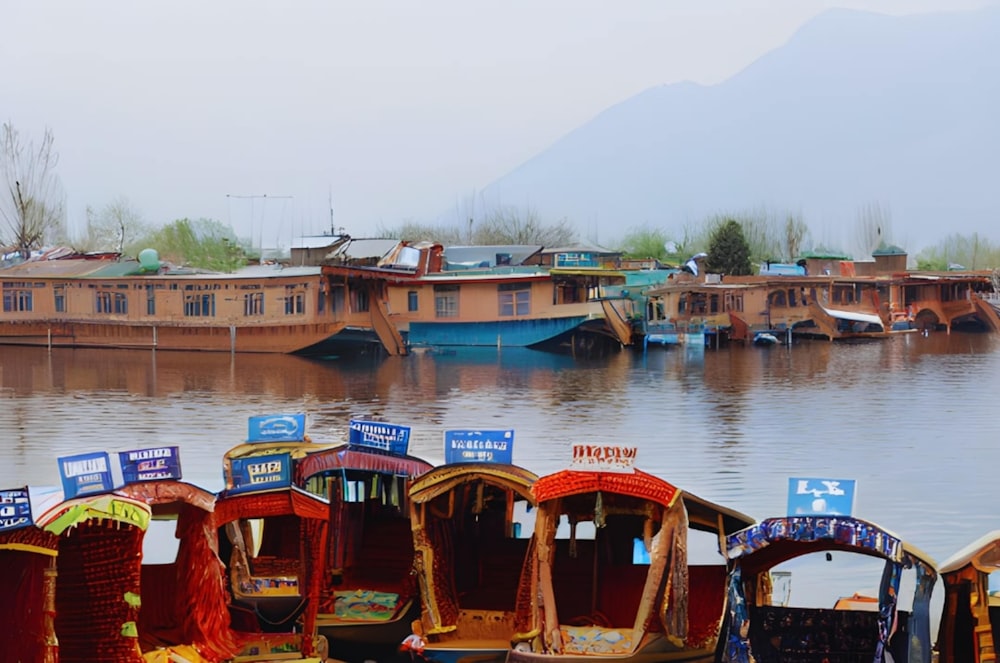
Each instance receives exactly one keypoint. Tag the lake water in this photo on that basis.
(913, 419)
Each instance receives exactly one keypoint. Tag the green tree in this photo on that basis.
(728, 251)
(970, 251)
(33, 207)
(645, 242)
(202, 243)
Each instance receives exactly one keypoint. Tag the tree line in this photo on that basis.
(32, 209)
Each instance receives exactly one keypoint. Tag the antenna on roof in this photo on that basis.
(330, 197)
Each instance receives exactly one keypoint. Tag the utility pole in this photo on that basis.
(252, 198)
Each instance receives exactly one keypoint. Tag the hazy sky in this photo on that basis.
(394, 110)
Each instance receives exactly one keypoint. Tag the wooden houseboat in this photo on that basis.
(110, 302)
(422, 296)
(714, 309)
(185, 598)
(762, 630)
(28, 556)
(970, 619)
(367, 595)
(272, 540)
(471, 552)
(628, 593)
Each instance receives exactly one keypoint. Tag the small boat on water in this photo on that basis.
(368, 595)
(763, 631)
(970, 620)
(628, 592)
(470, 551)
(28, 556)
(185, 603)
(272, 540)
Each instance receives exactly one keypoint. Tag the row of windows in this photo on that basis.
(109, 302)
(511, 301)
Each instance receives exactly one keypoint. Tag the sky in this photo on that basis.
(293, 118)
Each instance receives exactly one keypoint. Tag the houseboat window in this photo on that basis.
(17, 300)
(120, 303)
(412, 301)
(359, 300)
(713, 304)
(446, 301)
(102, 303)
(253, 303)
(59, 294)
(791, 297)
(199, 306)
(151, 300)
(733, 302)
(514, 299)
(778, 298)
(682, 304)
(337, 299)
(295, 303)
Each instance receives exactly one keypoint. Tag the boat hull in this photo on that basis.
(511, 333)
(654, 653)
(278, 338)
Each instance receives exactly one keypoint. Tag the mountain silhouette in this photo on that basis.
(855, 109)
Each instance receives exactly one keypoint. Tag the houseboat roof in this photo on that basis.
(983, 554)
(459, 257)
(363, 247)
(318, 241)
(582, 248)
(81, 268)
(347, 457)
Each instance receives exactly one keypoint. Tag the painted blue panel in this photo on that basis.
(86, 474)
(260, 473)
(479, 446)
(277, 428)
(510, 333)
(820, 497)
(378, 435)
(154, 464)
(15, 509)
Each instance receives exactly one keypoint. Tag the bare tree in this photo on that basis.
(509, 225)
(33, 207)
(796, 232)
(115, 227)
(873, 228)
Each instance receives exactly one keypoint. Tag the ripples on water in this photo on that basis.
(912, 418)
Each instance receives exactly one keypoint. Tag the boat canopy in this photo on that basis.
(281, 502)
(983, 554)
(854, 316)
(346, 457)
(637, 484)
(169, 493)
(442, 479)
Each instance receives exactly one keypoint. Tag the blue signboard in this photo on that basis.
(15, 509)
(155, 464)
(379, 435)
(277, 428)
(479, 446)
(820, 497)
(260, 473)
(86, 474)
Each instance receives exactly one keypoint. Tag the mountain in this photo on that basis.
(856, 108)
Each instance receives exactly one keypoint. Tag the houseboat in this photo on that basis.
(889, 627)
(423, 296)
(28, 553)
(970, 619)
(368, 594)
(470, 530)
(106, 301)
(272, 540)
(609, 576)
(185, 598)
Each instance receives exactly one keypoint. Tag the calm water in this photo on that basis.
(913, 419)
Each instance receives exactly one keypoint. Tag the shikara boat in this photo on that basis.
(272, 539)
(98, 588)
(185, 598)
(368, 594)
(597, 599)
(970, 622)
(760, 631)
(28, 557)
(469, 558)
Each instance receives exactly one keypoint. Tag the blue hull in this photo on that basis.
(506, 333)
